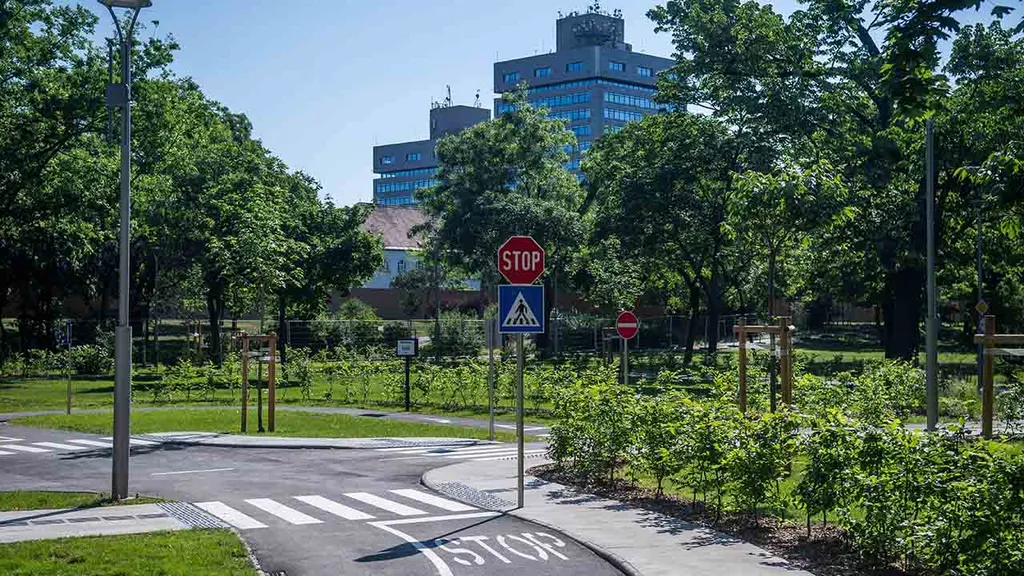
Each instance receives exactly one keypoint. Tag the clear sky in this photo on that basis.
(323, 81)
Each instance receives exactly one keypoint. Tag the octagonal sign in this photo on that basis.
(521, 260)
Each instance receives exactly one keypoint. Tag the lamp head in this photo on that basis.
(131, 4)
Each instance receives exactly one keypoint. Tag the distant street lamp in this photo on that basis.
(119, 96)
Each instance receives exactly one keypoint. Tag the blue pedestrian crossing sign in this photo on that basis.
(521, 309)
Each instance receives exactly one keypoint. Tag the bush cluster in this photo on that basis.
(944, 503)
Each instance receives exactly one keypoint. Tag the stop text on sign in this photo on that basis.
(521, 260)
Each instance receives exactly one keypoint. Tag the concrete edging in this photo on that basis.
(618, 562)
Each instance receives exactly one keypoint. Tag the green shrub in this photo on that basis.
(90, 360)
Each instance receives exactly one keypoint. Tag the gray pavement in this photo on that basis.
(65, 523)
(637, 541)
(316, 511)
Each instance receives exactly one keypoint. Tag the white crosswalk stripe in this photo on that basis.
(527, 453)
(334, 508)
(2, 453)
(437, 501)
(59, 446)
(290, 515)
(505, 451)
(230, 515)
(385, 504)
(31, 449)
(92, 443)
(137, 442)
(428, 448)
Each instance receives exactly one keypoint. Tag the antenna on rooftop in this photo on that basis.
(477, 101)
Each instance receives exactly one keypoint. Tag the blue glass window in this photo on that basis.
(413, 156)
(407, 173)
(387, 159)
(616, 66)
(644, 71)
(574, 67)
(630, 100)
(575, 114)
(622, 115)
(589, 82)
(581, 130)
(385, 187)
(511, 77)
(541, 72)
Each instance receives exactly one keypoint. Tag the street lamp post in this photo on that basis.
(119, 95)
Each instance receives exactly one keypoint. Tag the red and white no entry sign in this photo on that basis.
(521, 260)
(627, 325)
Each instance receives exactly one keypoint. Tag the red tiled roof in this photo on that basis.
(393, 224)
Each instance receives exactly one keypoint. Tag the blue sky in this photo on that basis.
(323, 81)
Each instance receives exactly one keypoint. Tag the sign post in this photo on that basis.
(627, 325)
(493, 337)
(407, 348)
(521, 311)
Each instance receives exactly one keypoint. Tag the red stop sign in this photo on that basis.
(521, 260)
(627, 325)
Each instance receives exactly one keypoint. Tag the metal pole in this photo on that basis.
(491, 337)
(932, 360)
(625, 361)
(519, 416)
(408, 395)
(67, 364)
(123, 334)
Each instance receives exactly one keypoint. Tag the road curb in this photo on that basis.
(279, 443)
(465, 495)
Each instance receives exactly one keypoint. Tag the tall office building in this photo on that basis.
(593, 79)
(408, 166)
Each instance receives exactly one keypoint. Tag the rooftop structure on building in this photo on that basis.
(406, 167)
(593, 79)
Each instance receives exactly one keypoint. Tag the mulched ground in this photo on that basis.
(825, 553)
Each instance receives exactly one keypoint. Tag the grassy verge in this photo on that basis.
(43, 500)
(188, 552)
(288, 424)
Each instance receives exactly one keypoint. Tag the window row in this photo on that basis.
(612, 129)
(396, 201)
(630, 100)
(574, 67)
(580, 130)
(402, 266)
(622, 115)
(511, 77)
(589, 82)
(545, 71)
(383, 187)
(407, 173)
(563, 100)
(574, 114)
(413, 156)
(541, 72)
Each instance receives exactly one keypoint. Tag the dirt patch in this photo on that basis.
(826, 552)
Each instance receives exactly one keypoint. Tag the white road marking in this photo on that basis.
(436, 518)
(283, 512)
(230, 515)
(385, 504)
(9, 439)
(137, 442)
(488, 453)
(423, 447)
(435, 501)
(190, 471)
(92, 443)
(31, 449)
(439, 420)
(439, 564)
(525, 429)
(59, 446)
(2, 453)
(441, 450)
(335, 508)
(527, 453)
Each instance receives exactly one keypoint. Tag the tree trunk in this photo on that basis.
(282, 328)
(714, 296)
(216, 309)
(691, 326)
(901, 308)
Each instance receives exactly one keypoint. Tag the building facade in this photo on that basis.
(593, 79)
(405, 167)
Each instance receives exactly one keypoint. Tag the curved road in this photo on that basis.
(312, 512)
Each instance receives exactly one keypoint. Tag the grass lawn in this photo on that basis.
(288, 423)
(183, 553)
(43, 500)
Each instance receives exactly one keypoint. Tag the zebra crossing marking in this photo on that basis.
(2, 453)
(231, 516)
(435, 501)
(59, 446)
(527, 453)
(136, 441)
(92, 443)
(283, 512)
(335, 508)
(30, 449)
(9, 439)
(385, 504)
(511, 450)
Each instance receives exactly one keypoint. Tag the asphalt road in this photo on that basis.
(311, 512)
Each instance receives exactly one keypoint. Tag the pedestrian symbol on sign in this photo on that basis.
(520, 315)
